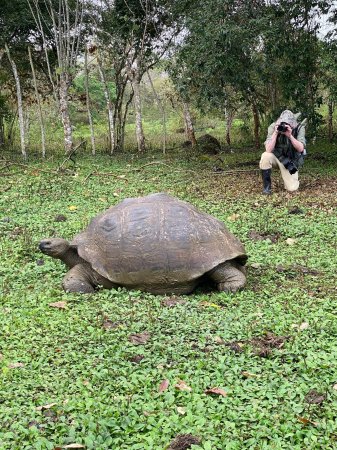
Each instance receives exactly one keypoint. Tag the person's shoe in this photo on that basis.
(266, 178)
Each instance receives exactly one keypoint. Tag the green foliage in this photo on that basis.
(233, 55)
(76, 382)
(96, 91)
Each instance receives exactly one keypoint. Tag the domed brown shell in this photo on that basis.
(156, 240)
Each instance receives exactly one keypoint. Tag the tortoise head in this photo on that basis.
(54, 247)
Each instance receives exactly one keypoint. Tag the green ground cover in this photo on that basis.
(74, 374)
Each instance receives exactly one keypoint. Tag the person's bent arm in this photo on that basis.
(270, 143)
(298, 146)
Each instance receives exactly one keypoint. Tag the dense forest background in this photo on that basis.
(141, 75)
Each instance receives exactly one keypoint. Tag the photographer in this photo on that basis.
(285, 149)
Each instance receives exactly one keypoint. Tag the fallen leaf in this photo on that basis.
(307, 421)
(115, 194)
(43, 407)
(233, 217)
(181, 410)
(102, 199)
(334, 387)
(140, 338)
(15, 365)
(163, 385)
(216, 391)
(74, 446)
(212, 305)
(256, 265)
(304, 326)
(72, 208)
(249, 374)
(59, 305)
(182, 386)
(219, 340)
(291, 241)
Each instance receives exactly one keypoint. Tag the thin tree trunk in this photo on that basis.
(123, 122)
(330, 119)
(43, 139)
(108, 105)
(189, 125)
(162, 109)
(87, 97)
(256, 125)
(19, 100)
(229, 116)
(138, 110)
(2, 131)
(64, 110)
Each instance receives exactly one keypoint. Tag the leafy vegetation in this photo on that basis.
(129, 370)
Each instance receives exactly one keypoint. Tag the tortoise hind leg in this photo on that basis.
(77, 280)
(229, 276)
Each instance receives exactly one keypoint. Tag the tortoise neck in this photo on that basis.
(71, 258)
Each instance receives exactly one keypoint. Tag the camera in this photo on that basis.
(289, 165)
(282, 127)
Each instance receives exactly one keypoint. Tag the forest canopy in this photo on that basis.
(97, 74)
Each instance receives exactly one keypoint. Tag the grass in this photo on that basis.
(74, 376)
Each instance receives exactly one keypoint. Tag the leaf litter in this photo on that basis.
(184, 442)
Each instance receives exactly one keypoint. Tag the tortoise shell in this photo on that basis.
(156, 240)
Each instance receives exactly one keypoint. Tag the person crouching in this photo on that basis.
(285, 149)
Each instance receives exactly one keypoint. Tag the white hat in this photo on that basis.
(289, 117)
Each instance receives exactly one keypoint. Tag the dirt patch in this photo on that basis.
(184, 442)
(262, 236)
(295, 210)
(136, 358)
(60, 218)
(262, 346)
(315, 398)
(292, 271)
(169, 302)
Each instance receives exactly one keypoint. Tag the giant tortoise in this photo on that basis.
(157, 244)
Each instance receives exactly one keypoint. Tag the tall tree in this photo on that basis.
(66, 29)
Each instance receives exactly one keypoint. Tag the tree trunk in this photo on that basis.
(2, 131)
(108, 105)
(19, 100)
(256, 125)
(64, 110)
(43, 139)
(87, 98)
(189, 125)
(229, 116)
(138, 110)
(162, 110)
(330, 120)
(123, 122)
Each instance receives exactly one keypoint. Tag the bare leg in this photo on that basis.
(77, 280)
(229, 276)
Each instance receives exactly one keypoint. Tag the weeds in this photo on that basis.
(110, 370)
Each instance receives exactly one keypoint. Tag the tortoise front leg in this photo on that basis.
(78, 280)
(229, 276)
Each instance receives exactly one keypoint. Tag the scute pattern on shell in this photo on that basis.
(156, 238)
